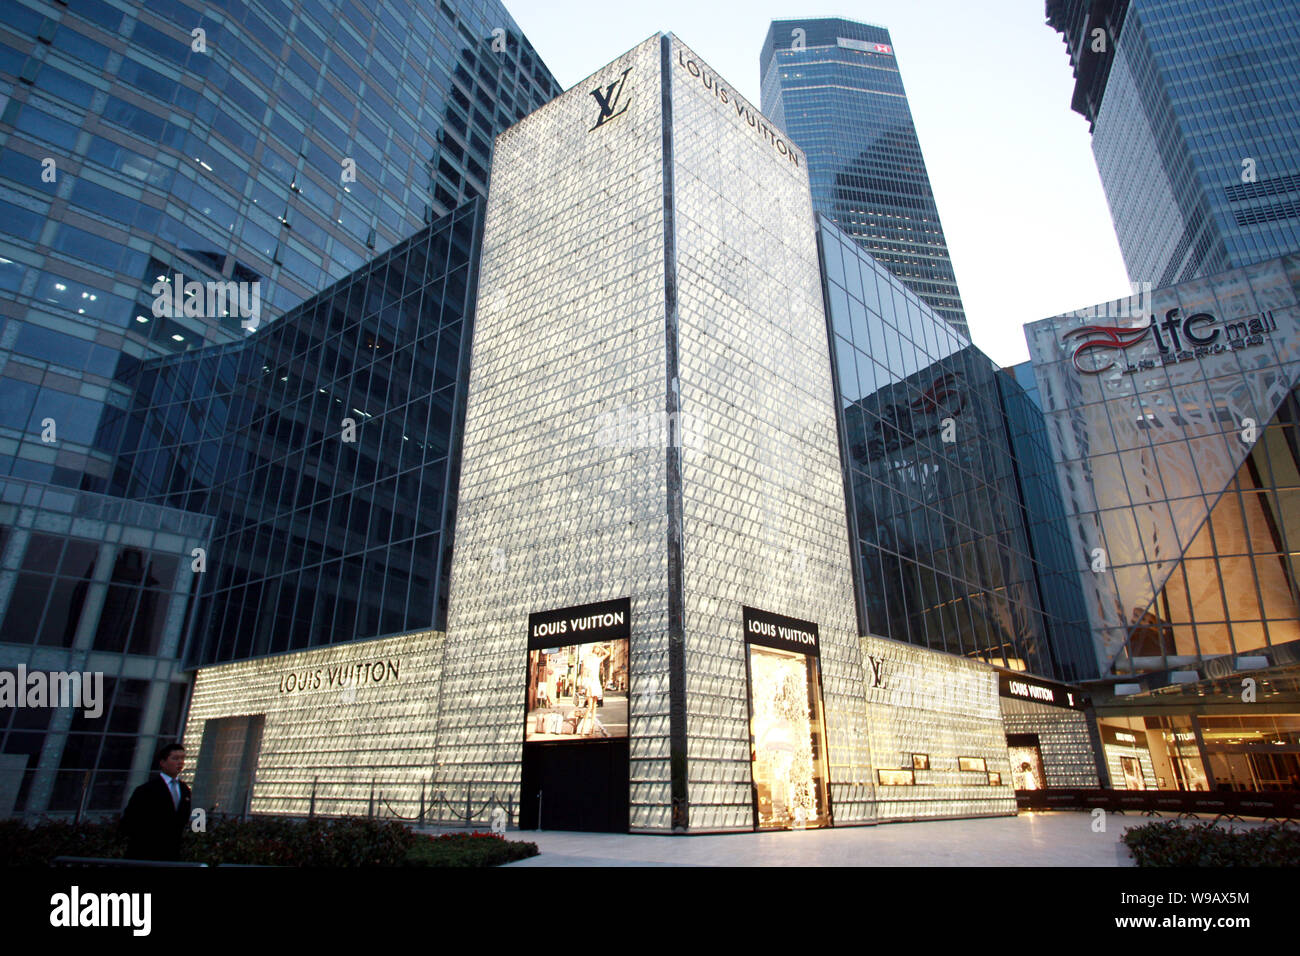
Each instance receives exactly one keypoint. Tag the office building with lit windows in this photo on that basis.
(270, 149)
(835, 87)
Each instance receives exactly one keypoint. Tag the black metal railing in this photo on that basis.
(1277, 806)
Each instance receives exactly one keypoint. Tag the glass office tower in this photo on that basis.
(268, 148)
(937, 443)
(1193, 107)
(325, 447)
(273, 142)
(835, 87)
(325, 450)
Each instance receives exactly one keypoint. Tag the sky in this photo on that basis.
(989, 85)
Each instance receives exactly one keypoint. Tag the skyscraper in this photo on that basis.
(834, 86)
(266, 150)
(1193, 107)
(267, 146)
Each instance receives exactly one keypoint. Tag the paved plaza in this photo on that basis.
(1030, 839)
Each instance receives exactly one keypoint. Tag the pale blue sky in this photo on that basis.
(989, 86)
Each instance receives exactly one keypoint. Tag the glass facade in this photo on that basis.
(326, 448)
(264, 150)
(275, 142)
(1065, 614)
(92, 585)
(1194, 109)
(945, 538)
(1177, 442)
(835, 87)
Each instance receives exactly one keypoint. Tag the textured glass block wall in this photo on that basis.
(1144, 456)
(926, 702)
(1063, 740)
(347, 720)
(569, 332)
(763, 501)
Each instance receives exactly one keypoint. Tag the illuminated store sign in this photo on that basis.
(1040, 691)
(1177, 339)
(774, 630)
(1122, 737)
(606, 621)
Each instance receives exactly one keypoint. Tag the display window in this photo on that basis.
(578, 691)
(1132, 768)
(896, 778)
(1027, 767)
(786, 734)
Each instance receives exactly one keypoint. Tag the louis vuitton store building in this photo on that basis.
(1175, 424)
(651, 622)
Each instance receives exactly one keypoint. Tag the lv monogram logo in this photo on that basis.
(608, 101)
(877, 671)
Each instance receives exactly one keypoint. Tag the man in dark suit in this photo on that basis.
(158, 810)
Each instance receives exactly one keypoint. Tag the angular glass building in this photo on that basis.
(834, 86)
(325, 448)
(944, 554)
(255, 153)
(1193, 107)
(1177, 441)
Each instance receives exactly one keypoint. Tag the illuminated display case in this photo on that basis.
(786, 724)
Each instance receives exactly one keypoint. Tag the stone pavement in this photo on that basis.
(1031, 839)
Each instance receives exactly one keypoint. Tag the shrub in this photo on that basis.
(1171, 843)
(467, 849)
(265, 841)
(275, 841)
(37, 845)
